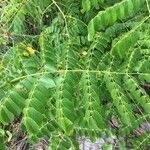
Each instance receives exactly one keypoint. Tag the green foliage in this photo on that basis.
(67, 67)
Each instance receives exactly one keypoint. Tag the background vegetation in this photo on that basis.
(74, 68)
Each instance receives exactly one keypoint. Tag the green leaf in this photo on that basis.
(91, 30)
(49, 83)
(107, 146)
(86, 4)
(31, 125)
(67, 125)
